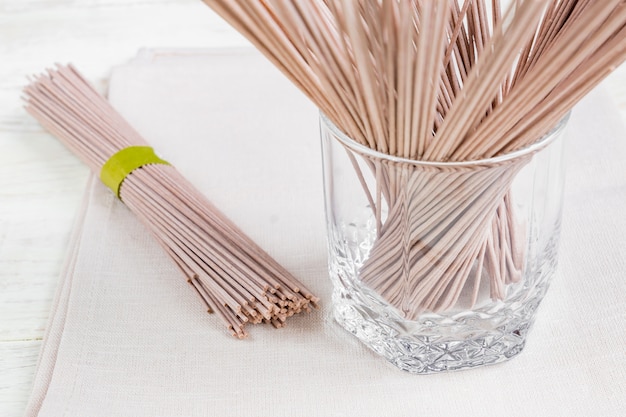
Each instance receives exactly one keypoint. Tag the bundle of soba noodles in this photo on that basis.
(233, 276)
(442, 81)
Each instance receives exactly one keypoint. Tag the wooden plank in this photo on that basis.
(17, 366)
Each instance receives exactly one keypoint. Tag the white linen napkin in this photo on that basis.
(129, 337)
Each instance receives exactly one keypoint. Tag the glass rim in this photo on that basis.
(539, 144)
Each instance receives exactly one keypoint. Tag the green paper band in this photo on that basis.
(122, 163)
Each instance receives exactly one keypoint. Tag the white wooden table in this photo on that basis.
(40, 182)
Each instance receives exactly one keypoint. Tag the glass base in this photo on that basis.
(436, 343)
(439, 342)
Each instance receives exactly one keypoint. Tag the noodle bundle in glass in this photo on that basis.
(441, 132)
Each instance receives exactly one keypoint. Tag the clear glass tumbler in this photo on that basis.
(441, 266)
